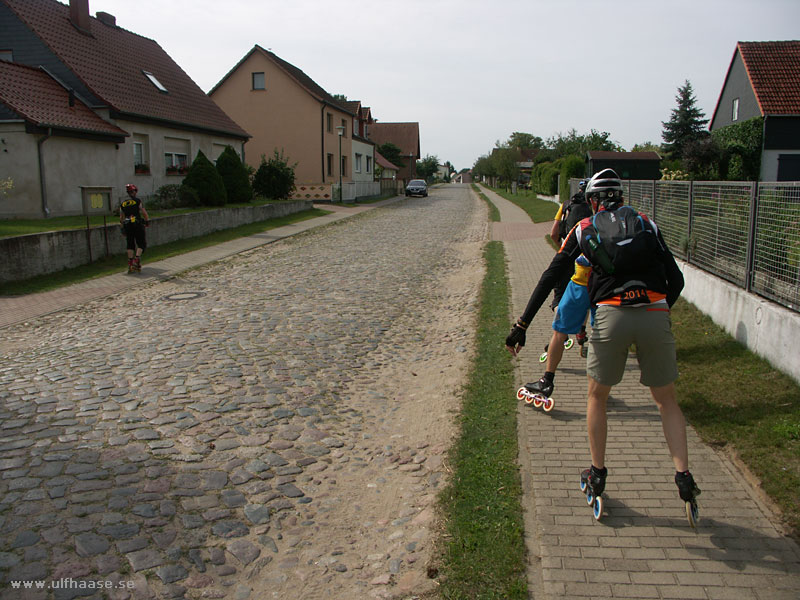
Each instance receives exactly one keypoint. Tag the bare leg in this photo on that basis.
(596, 421)
(673, 424)
(555, 350)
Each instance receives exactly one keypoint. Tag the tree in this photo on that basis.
(525, 141)
(579, 144)
(506, 161)
(274, 178)
(428, 166)
(484, 167)
(686, 124)
(235, 176)
(204, 179)
(646, 147)
(392, 153)
(340, 97)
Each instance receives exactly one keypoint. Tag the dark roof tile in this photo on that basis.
(42, 101)
(111, 62)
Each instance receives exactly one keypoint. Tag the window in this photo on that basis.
(330, 165)
(369, 164)
(7, 55)
(344, 166)
(344, 127)
(176, 163)
(141, 154)
(259, 82)
(357, 166)
(154, 80)
(329, 126)
(735, 116)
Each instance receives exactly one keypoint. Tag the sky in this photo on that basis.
(472, 72)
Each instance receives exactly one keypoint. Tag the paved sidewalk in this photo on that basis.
(643, 547)
(18, 309)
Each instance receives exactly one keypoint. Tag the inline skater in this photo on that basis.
(133, 217)
(634, 282)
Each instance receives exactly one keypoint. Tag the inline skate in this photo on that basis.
(567, 345)
(688, 491)
(131, 266)
(538, 393)
(593, 483)
(581, 339)
(137, 264)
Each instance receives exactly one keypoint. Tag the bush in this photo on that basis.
(206, 182)
(274, 178)
(571, 167)
(166, 197)
(188, 196)
(235, 176)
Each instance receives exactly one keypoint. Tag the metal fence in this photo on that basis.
(747, 233)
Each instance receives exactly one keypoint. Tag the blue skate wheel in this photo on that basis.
(583, 485)
(597, 508)
(589, 496)
(568, 343)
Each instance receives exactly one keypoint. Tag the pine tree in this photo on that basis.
(204, 179)
(686, 125)
(235, 176)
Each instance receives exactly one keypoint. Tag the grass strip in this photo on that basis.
(119, 262)
(483, 550)
(737, 400)
(538, 210)
(494, 212)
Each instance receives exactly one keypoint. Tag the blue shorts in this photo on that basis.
(572, 309)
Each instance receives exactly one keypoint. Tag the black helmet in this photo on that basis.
(605, 188)
(582, 185)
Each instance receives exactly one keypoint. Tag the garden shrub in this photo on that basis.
(235, 176)
(274, 178)
(206, 181)
(571, 167)
(166, 197)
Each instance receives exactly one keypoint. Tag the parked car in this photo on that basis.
(417, 187)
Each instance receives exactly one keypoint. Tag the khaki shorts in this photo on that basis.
(616, 328)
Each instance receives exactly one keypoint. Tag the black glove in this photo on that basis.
(516, 339)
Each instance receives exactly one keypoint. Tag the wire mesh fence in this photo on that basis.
(747, 233)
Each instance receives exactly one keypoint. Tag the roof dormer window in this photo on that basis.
(154, 80)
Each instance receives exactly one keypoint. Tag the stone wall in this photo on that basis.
(29, 255)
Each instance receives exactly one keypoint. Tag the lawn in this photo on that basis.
(540, 211)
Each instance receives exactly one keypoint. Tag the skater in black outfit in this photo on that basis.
(133, 217)
(634, 282)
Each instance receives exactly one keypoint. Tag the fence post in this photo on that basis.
(751, 237)
(653, 196)
(689, 224)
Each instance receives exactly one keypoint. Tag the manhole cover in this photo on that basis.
(183, 296)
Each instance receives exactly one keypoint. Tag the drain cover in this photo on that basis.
(183, 296)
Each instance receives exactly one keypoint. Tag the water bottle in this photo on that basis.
(601, 255)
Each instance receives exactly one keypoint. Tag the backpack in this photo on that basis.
(575, 212)
(623, 244)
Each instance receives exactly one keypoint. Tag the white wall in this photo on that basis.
(364, 150)
(764, 327)
(769, 164)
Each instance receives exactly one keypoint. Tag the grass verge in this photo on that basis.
(483, 550)
(538, 210)
(119, 262)
(736, 400)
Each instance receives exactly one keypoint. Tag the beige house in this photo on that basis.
(286, 111)
(87, 107)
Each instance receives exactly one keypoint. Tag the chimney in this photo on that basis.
(107, 19)
(79, 15)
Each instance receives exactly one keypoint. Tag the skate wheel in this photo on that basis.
(548, 404)
(597, 508)
(583, 486)
(584, 351)
(692, 514)
(543, 357)
(568, 343)
(521, 394)
(589, 496)
(537, 401)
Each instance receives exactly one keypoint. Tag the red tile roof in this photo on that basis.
(42, 101)
(111, 63)
(384, 162)
(774, 72)
(403, 135)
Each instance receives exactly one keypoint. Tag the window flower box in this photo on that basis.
(141, 169)
(177, 170)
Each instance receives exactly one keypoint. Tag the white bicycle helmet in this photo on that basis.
(605, 188)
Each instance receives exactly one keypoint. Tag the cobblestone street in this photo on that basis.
(272, 425)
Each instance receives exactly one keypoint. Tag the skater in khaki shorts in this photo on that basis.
(633, 284)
